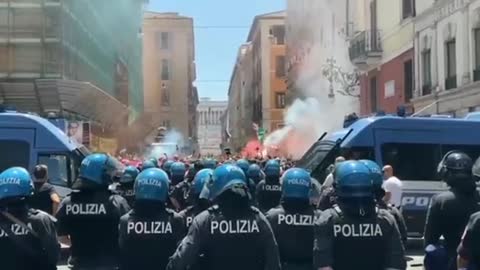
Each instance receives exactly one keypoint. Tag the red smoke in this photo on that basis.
(253, 149)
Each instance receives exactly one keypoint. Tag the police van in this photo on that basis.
(413, 146)
(27, 140)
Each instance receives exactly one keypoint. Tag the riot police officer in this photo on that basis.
(178, 171)
(255, 173)
(231, 234)
(449, 211)
(199, 204)
(469, 249)
(150, 232)
(166, 167)
(210, 163)
(125, 187)
(380, 194)
(269, 191)
(245, 165)
(148, 164)
(90, 215)
(355, 234)
(28, 237)
(292, 222)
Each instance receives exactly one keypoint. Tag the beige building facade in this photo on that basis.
(169, 71)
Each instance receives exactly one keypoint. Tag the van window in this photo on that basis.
(412, 161)
(15, 153)
(357, 153)
(58, 168)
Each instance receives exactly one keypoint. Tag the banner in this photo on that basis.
(78, 131)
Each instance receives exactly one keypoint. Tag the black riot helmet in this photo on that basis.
(454, 166)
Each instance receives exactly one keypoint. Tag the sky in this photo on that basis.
(221, 26)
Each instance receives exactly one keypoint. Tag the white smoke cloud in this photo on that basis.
(171, 141)
(306, 120)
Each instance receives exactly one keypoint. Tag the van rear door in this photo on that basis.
(16, 146)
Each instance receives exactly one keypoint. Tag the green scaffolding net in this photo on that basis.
(96, 36)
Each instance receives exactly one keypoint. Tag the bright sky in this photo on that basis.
(221, 26)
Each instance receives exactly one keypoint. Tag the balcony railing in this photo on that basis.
(364, 45)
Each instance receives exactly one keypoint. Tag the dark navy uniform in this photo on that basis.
(28, 238)
(268, 194)
(469, 248)
(191, 212)
(345, 243)
(243, 242)
(126, 191)
(180, 193)
(448, 214)
(294, 233)
(29, 251)
(90, 218)
(148, 239)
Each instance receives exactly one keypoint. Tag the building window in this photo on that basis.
(280, 100)
(280, 66)
(427, 72)
(165, 96)
(165, 70)
(476, 72)
(373, 94)
(451, 65)
(278, 33)
(164, 40)
(408, 80)
(408, 8)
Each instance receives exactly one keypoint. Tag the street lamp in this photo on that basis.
(348, 81)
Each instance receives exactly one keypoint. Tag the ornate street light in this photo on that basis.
(348, 81)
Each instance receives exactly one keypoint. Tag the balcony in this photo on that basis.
(366, 48)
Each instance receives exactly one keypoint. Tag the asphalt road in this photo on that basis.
(414, 258)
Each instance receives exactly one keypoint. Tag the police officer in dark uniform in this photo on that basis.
(148, 164)
(245, 165)
(166, 167)
(469, 249)
(355, 234)
(125, 186)
(380, 194)
(209, 163)
(255, 173)
(28, 237)
(231, 234)
(150, 233)
(199, 204)
(178, 170)
(90, 215)
(269, 191)
(293, 221)
(449, 211)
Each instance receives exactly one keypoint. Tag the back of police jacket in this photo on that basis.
(344, 242)
(23, 250)
(241, 241)
(268, 194)
(149, 235)
(91, 219)
(293, 229)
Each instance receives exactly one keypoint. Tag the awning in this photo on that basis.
(56, 95)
